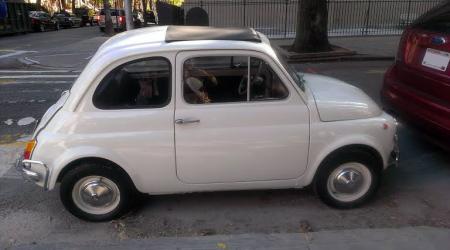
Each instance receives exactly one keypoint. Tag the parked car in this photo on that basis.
(41, 21)
(179, 109)
(417, 86)
(96, 18)
(117, 17)
(67, 20)
(83, 14)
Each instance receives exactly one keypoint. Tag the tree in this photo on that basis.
(312, 27)
(109, 30)
(73, 6)
(144, 11)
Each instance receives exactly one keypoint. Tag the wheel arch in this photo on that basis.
(332, 150)
(352, 148)
(99, 160)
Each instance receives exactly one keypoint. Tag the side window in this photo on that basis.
(264, 82)
(144, 83)
(215, 79)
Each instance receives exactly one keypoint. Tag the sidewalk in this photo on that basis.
(382, 47)
(410, 238)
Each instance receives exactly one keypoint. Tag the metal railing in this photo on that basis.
(278, 18)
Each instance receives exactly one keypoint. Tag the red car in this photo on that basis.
(417, 86)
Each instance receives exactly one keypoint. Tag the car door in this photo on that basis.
(231, 129)
(47, 21)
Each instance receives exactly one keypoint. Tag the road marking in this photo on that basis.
(38, 76)
(25, 121)
(34, 82)
(8, 122)
(9, 153)
(15, 53)
(34, 71)
(375, 71)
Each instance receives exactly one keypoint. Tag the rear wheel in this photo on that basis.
(96, 192)
(348, 179)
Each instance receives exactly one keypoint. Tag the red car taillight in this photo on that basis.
(121, 19)
(29, 147)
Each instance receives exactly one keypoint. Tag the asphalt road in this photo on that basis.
(414, 194)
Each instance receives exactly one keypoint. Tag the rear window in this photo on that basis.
(437, 19)
(439, 24)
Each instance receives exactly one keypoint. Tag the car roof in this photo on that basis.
(149, 40)
(162, 38)
(195, 33)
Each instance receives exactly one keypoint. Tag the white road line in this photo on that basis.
(34, 71)
(38, 76)
(15, 53)
(35, 82)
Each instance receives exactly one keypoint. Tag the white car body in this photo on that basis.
(236, 146)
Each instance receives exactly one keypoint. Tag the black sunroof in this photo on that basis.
(192, 33)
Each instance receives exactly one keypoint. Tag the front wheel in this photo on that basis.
(96, 192)
(348, 180)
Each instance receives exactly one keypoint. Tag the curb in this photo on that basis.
(342, 55)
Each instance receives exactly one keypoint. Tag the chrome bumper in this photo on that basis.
(28, 169)
(394, 156)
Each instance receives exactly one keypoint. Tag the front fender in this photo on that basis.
(318, 153)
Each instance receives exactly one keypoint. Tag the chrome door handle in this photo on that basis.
(186, 121)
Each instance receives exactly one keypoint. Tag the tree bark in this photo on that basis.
(109, 30)
(73, 6)
(144, 11)
(38, 4)
(312, 27)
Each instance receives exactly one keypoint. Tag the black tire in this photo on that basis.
(124, 184)
(333, 162)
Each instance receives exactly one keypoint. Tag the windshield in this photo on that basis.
(292, 72)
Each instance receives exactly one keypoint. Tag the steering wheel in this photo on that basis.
(242, 89)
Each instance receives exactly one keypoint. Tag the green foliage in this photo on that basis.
(176, 2)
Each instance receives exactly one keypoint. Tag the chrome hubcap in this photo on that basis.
(349, 182)
(96, 195)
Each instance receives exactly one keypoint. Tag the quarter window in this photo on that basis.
(143, 83)
(226, 79)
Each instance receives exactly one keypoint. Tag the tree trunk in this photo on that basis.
(312, 27)
(38, 4)
(109, 30)
(144, 11)
(73, 6)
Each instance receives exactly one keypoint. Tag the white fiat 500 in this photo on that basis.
(180, 109)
